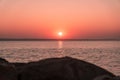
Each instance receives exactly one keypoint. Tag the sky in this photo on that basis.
(44, 19)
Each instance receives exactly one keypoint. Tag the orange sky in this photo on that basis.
(45, 18)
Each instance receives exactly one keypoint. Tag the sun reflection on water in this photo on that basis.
(60, 44)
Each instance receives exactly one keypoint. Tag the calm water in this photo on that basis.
(102, 53)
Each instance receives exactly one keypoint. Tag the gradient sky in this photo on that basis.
(77, 19)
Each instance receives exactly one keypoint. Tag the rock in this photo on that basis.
(3, 60)
(7, 70)
(65, 68)
(116, 78)
(19, 65)
(107, 77)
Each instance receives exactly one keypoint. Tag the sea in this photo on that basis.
(105, 54)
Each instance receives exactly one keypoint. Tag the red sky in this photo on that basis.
(81, 19)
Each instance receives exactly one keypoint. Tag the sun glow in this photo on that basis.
(60, 33)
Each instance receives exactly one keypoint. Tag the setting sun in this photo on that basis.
(60, 33)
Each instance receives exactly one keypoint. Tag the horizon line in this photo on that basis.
(59, 39)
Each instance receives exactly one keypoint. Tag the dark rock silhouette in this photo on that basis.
(107, 77)
(3, 60)
(7, 70)
(65, 68)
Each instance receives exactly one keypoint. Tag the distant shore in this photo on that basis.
(59, 39)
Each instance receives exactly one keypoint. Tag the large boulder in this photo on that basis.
(7, 70)
(65, 68)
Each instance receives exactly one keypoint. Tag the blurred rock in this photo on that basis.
(7, 70)
(107, 77)
(65, 68)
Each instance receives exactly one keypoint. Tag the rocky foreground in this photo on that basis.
(65, 68)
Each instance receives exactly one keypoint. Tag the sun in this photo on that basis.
(60, 33)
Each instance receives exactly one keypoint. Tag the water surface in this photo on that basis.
(102, 53)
